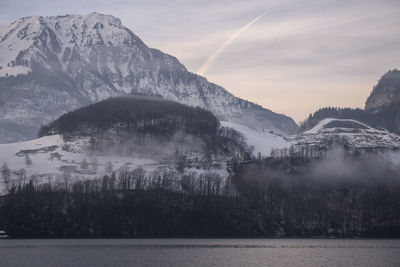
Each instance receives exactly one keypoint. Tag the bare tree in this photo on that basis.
(21, 174)
(6, 176)
(139, 177)
(28, 161)
(124, 179)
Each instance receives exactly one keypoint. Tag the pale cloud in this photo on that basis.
(300, 56)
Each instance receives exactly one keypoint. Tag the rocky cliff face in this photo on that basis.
(384, 101)
(385, 93)
(51, 65)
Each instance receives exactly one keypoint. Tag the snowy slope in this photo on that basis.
(53, 159)
(78, 155)
(51, 65)
(351, 133)
(263, 142)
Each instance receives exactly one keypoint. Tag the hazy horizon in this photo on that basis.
(295, 58)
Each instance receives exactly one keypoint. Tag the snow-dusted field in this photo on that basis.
(51, 158)
(51, 154)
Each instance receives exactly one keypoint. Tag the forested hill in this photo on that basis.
(388, 117)
(129, 124)
(135, 113)
(338, 113)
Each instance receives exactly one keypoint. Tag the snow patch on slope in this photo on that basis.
(321, 125)
(263, 142)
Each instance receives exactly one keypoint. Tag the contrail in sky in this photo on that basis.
(210, 61)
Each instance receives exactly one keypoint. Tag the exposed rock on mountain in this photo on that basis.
(385, 93)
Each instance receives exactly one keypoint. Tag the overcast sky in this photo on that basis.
(299, 56)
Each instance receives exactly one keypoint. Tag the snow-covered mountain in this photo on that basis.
(50, 65)
(350, 133)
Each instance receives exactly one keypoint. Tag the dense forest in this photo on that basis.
(139, 113)
(340, 196)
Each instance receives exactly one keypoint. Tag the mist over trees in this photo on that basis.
(341, 195)
(151, 126)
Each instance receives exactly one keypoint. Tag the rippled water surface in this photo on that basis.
(199, 252)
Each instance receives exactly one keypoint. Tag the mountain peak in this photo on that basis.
(90, 19)
(36, 36)
(95, 16)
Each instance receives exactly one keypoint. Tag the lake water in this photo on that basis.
(199, 252)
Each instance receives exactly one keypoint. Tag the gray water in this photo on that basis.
(199, 252)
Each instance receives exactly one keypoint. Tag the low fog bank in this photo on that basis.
(340, 195)
(395, 157)
(147, 146)
(338, 166)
